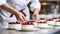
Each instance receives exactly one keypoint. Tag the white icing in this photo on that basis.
(51, 22)
(57, 23)
(42, 25)
(27, 27)
(18, 26)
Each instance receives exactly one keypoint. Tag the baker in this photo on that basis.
(3, 14)
(22, 5)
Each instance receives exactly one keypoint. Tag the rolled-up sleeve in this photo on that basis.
(2, 2)
(35, 4)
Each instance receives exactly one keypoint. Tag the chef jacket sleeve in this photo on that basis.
(2, 2)
(35, 4)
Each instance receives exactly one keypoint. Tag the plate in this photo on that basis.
(53, 25)
(34, 30)
(44, 27)
(10, 29)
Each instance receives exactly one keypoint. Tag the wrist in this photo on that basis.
(36, 11)
(17, 14)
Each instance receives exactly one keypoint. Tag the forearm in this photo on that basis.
(9, 9)
(36, 10)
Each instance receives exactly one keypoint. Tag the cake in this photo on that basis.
(18, 26)
(27, 26)
(42, 24)
(34, 22)
(57, 22)
(55, 19)
(15, 25)
(11, 25)
(58, 18)
(50, 21)
(42, 19)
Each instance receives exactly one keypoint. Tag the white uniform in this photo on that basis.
(2, 2)
(19, 5)
(5, 16)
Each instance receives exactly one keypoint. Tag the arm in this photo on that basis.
(18, 15)
(9, 9)
(36, 14)
(35, 7)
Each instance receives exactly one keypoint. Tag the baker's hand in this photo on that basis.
(36, 16)
(21, 17)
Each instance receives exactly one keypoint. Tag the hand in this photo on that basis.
(36, 16)
(21, 17)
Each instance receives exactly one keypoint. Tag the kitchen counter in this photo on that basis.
(16, 32)
(41, 31)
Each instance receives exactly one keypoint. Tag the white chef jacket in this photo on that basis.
(2, 2)
(21, 4)
(5, 16)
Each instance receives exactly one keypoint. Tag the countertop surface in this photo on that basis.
(41, 31)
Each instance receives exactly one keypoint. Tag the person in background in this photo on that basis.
(5, 6)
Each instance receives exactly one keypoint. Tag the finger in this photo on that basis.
(24, 18)
(38, 18)
(35, 17)
(21, 19)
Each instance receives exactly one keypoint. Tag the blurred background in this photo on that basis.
(49, 7)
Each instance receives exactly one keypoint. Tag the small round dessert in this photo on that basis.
(27, 26)
(42, 24)
(34, 22)
(12, 25)
(15, 25)
(55, 19)
(42, 19)
(57, 22)
(58, 18)
(18, 25)
(50, 21)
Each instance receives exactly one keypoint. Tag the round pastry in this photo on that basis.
(18, 26)
(34, 22)
(57, 22)
(58, 18)
(42, 24)
(55, 19)
(15, 25)
(27, 26)
(50, 21)
(12, 25)
(42, 19)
